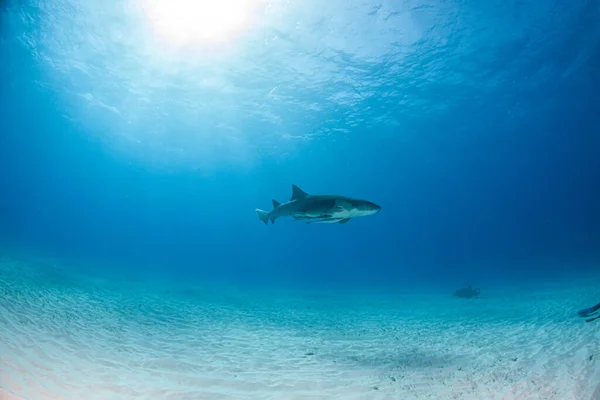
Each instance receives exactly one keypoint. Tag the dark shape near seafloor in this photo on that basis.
(467, 293)
(318, 208)
(589, 312)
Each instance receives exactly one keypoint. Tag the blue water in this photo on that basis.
(130, 148)
(474, 126)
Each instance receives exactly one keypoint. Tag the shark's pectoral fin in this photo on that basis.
(345, 220)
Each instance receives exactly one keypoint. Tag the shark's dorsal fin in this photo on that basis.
(297, 193)
(276, 203)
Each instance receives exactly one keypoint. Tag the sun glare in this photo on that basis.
(199, 21)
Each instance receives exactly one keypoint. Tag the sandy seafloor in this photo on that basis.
(68, 336)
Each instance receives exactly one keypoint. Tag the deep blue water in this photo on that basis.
(475, 125)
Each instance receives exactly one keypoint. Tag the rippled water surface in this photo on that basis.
(302, 74)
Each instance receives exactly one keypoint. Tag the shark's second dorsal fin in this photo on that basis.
(298, 193)
(276, 204)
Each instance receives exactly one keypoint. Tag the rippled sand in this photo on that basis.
(74, 337)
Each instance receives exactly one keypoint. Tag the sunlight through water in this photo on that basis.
(201, 84)
(198, 21)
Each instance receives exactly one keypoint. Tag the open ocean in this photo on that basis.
(458, 143)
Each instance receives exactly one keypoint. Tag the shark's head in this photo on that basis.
(362, 208)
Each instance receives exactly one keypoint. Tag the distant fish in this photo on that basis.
(467, 293)
(589, 312)
(318, 208)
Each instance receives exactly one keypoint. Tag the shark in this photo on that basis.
(326, 209)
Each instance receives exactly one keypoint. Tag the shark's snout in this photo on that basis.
(374, 207)
(368, 208)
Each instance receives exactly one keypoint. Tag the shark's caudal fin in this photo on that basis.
(262, 215)
(297, 193)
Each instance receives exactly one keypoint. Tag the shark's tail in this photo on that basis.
(262, 215)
